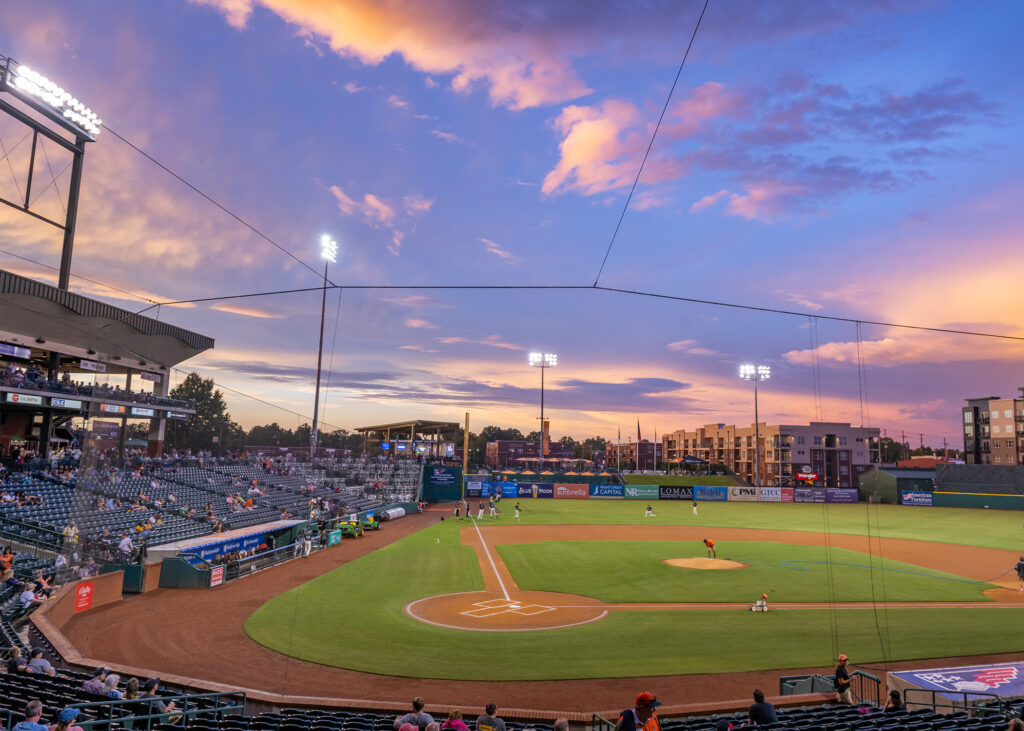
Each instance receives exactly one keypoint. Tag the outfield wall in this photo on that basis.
(696, 493)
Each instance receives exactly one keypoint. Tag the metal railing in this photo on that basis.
(600, 723)
(997, 708)
(797, 684)
(858, 679)
(134, 713)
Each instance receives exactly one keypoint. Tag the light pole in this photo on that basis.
(756, 373)
(329, 253)
(543, 361)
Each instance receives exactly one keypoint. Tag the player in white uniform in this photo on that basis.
(694, 507)
(517, 511)
(650, 512)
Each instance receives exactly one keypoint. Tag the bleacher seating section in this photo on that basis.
(194, 486)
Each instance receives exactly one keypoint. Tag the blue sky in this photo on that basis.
(857, 160)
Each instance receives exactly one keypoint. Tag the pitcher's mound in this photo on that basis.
(712, 564)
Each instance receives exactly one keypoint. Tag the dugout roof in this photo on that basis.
(72, 324)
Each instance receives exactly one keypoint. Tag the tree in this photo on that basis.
(534, 436)
(589, 446)
(891, 450)
(211, 418)
(495, 433)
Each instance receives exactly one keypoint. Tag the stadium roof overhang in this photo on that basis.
(418, 426)
(40, 316)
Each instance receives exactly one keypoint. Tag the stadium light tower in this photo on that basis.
(65, 111)
(756, 373)
(329, 253)
(543, 361)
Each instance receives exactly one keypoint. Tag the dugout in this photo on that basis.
(979, 486)
(886, 484)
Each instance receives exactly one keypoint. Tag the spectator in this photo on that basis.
(641, 716)
(842, 681)
(489, 721)
(417, 717)
(33, 712)
(149, 689)
(6, 565)
(125, 547)
(894, 702)
(1015, 725)
(131, 689)
(28, 598)
(110, 687)
(15, 662)
(561, 724)
(94, 685)
(762, 713)
(66, 719)
(39, 664)
(455, 722)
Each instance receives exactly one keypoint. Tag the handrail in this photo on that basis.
(1000, 709)
(236, 701)
(600, 723)
(865, 676)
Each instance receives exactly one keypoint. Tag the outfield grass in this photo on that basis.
(353, 618)
(682, 480)
(989, 528)
(608, 570)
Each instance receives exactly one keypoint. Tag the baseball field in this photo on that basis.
(593, 589)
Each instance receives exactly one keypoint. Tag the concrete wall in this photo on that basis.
(106, 589)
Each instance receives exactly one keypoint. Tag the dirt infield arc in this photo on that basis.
(199, 633)
(503, 607)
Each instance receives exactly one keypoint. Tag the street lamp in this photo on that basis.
(329, 253)
(754, 373)
(543, 361)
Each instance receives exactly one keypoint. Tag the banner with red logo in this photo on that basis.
(83, 596)
(787, 495)
(1004, 679)
(572, 490)
(217, 576)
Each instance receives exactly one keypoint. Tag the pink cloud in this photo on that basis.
(353, 88)
(498, 251)
(397, 102)
(708, 201)
(257, 312)
(447, 136)
(420, 324)
(763, 202)
(491, 341)
(417, 204)
(418, 348)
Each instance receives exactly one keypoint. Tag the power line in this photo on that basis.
(650, 144)
(210, 199)
(79, 276)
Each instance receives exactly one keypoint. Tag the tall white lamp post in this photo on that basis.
(754, 373)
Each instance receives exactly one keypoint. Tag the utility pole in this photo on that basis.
(903, 442)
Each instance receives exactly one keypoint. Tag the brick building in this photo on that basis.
(994, 430)
(838, 453)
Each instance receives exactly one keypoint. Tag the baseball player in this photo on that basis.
(1020, 574)
(650, 512)
(490, 504)
(458, 509)
(709, 544)
(517, 511)
(695, 507)
(480, 513)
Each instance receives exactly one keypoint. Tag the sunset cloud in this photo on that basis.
(491, 341)
(417, 323)
(499, 251)
(257, 312)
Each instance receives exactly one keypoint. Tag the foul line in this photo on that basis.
(493, 566)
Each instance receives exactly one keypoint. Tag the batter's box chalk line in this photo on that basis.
(494, 607)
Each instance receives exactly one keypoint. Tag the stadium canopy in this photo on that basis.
(37, 315)
(412, 427)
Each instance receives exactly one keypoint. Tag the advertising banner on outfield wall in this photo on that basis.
(606, 491)
(808, 494)
(770, 494)
(570, 490)
(743, 494)
(716, 493)
(641, 492)
(842, 495)
(917, 497)
(786, 495)
(545, 490)
(675, 492)
(473, 489)
(509, 489)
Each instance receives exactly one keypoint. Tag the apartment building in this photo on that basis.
(644, 455)
(994, 430)
(837, 453)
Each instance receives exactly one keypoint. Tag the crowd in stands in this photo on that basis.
(32, 377)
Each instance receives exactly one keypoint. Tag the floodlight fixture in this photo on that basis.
(755, 373)
(328, 249)
(542, 361)
(52, 100)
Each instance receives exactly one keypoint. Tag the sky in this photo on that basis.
(858, 160)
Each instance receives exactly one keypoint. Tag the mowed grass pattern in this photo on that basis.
(630, 571)
(353, 616)
(989, 528)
